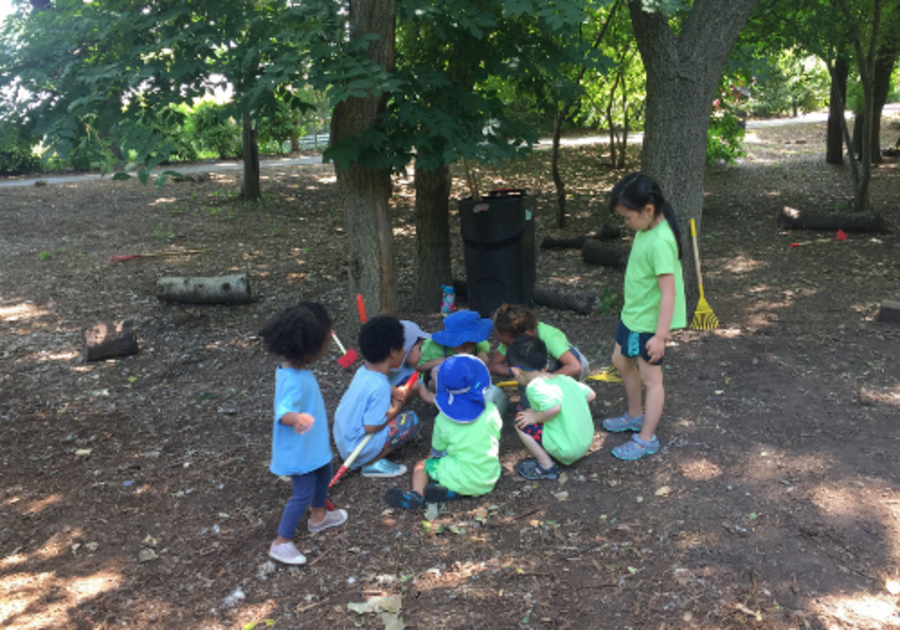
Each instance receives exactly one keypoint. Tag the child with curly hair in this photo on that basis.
(300, 446)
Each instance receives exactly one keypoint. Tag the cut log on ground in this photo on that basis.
(608, 232)
(106, 340)
(579, 302)
(215, 290)
(595, 252)
(889, 312)
(792, 219)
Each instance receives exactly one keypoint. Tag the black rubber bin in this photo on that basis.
(498, 238)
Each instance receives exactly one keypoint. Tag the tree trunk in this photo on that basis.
(834, 143)
(109, 339)
(432, 237)
(554, 170)
(364, 193)
(683, 72)
(250, 186)
(881, 79)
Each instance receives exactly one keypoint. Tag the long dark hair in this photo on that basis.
(635, 191)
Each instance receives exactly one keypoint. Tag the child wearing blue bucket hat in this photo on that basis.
(467, 428)
(465, 332)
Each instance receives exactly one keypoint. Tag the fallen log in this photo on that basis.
(607, 232)
(594, 252)
(581, 303)
(106, 340)
(233, 289)
(889, 312)
(793, 219)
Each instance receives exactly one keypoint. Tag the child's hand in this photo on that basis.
(525, 418)
(656, 348)
(303, 422)
(398, 396)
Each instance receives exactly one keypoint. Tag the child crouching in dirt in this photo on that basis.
(558, 423)
(371, 407)
(467, 429)
(300, 446)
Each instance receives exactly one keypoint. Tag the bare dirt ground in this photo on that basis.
(135, 492)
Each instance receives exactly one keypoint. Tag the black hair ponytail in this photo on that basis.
(635, 191)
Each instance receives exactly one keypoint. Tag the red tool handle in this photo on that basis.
(118, 259)
(361, 307)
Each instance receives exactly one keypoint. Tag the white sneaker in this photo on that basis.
(286, 553)
(383, 468)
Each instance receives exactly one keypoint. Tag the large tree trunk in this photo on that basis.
(683, 72)
(250, 186)
(364, 193)
(432, 237)
(834, 142)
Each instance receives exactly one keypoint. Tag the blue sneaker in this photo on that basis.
(383, 468)
(532, 470)
(436, 493)
(405, 499)
(636, 448)
(624, 423)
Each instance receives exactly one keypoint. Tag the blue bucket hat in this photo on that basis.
(463, 326)
(460, 382)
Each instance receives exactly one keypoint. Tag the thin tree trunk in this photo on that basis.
(554, 170)
(834, 143)
(364, 193)
(250, 189)
(881, 79)
(432, 237)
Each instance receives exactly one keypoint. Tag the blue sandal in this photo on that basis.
(624, 423)
(406, 499)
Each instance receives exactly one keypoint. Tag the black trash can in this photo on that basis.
(498, 235)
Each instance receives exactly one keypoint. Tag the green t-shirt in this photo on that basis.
(569, 434)
(431, 350)
(472, 463)
(555, 340)
(653, 254)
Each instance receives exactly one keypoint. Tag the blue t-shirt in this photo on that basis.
(366, 402)
(294, 454)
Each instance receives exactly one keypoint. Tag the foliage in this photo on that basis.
(17, 150)
(280, 125)
(171, 124)
(213, 128)
(787, 83)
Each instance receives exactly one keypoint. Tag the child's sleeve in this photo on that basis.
(665, 258)
(438, 439)
(377, 406)
(290, 398)
(431, 350)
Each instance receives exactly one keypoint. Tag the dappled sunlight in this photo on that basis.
(21, 312)
(728, 333)
(700, 469)
(163, 200)
(405, 230)
(326, 179)
(35, 507)
(44, 356)
(741, 264)
(860, 611)
(40, 600)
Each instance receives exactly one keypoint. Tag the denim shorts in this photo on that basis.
(634, 344)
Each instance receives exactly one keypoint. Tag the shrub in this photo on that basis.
(17, 150)
(213, 129)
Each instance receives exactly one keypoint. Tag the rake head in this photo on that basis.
(348, 359)
(704, 318)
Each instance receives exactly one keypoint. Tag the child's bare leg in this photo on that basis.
(537, 450)
(419, 477)
(631, 380)
(655, 398)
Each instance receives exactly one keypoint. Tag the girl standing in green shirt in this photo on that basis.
(654, 305)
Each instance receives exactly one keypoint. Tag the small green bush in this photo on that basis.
(17, 150)
(215, 130)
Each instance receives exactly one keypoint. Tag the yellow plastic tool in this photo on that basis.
(704, 318)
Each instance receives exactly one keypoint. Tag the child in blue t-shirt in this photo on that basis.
(371, 407)
(300, 446)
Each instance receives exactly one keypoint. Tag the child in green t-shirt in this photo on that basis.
(465, 332)
(467, 429)
(511, 321)
(558, 424)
